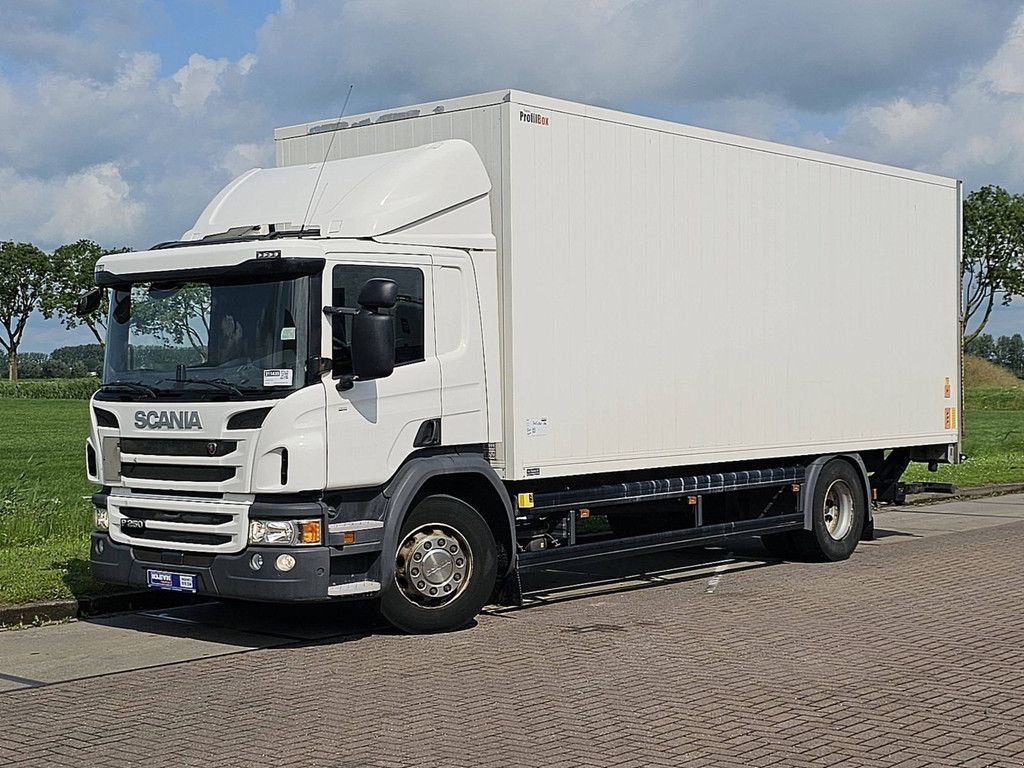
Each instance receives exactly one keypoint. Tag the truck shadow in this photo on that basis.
(607, 577)
(218, 626)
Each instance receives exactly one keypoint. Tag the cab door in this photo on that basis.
(371, 427)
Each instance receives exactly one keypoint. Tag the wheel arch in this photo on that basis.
(467, 477)
(811, 474)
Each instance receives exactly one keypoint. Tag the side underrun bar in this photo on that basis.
(662, 489)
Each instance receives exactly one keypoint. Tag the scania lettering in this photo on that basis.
(405, 363)
(167, 420)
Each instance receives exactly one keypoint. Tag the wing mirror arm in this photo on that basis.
(335, 311)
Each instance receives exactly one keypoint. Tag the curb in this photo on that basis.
(92, 605)
(973, 492)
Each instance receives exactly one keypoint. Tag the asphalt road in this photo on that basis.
(910, 654)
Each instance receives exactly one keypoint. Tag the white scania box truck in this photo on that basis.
(403, 364)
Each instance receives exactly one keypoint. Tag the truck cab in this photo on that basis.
(267, 378)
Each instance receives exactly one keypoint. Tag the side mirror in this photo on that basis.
(373, 333)
(89, 302)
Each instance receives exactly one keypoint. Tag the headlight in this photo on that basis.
(100, 519)
(284, 533)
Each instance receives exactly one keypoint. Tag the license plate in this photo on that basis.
(176, 582)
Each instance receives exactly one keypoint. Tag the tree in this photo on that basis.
(993, 254)
(24, 277)
(88, 356)
(983, 346)
(1015, 354)
(74, 268)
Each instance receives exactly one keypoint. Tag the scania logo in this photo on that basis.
(167, 420)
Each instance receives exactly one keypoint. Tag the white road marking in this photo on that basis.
(713, 581)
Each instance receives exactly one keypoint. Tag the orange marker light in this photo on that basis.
(584, 513)
(310, 530)
(348, 537)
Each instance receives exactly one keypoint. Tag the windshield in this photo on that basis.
(208, 337)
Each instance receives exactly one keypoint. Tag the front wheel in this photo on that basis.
(445, 567)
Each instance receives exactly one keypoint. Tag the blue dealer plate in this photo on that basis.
(176, 582)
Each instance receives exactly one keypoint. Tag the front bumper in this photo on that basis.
(221, 575)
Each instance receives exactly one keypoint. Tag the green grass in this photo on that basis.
(993, 425)
(994, 443)
(44, 521)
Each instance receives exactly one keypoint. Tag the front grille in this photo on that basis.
(153, 446)
(174, 524)
(180, 537)
(179, 472)
(172, 557)
(176, 492)
(173, 516)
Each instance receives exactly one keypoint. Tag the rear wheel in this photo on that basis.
(838, 515)
(445, 567)
(838, 512)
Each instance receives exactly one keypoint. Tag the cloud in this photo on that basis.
(93, 203)
(973, 130)
(61, 36)
(143, 144)
(130, 160)
(804, 54)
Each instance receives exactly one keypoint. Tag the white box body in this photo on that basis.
(673, 296)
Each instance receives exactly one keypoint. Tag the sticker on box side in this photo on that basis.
(277, 377)
(537, 427)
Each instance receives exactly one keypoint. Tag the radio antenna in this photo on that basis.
(327, 154)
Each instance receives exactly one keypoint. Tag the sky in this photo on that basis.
(120, 119)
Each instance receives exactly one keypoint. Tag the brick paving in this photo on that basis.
(910, 654)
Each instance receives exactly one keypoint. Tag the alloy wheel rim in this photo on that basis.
(433, 565)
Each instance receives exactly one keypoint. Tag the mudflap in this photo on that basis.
(510, 591)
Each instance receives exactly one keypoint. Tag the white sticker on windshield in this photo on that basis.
(277, 377)
(288, 333)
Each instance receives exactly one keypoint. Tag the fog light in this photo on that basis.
(100, 519)
(256, 561)
(284, 563)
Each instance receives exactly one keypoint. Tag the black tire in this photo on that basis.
(455, 523)
(835, 530)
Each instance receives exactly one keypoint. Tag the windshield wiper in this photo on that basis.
(130, 386)
(220, 384)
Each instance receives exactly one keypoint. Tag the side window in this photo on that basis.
(347, 280)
